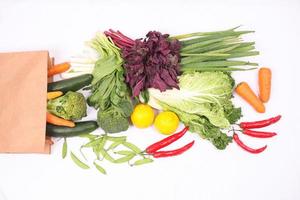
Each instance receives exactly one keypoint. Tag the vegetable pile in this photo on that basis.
(186, 78)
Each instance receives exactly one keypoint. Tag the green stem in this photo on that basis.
(215, 36)
(225, 69)
(216, 64)
(208, 42)
(183, 36)
(197, 59)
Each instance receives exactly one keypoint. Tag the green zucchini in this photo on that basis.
(63, 131)
(71, 84)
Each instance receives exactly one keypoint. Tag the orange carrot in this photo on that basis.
(264, 80)
(52, 119)
(53, 95)
(59, 68)
(248, 95)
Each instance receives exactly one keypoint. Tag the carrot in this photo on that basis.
(248, 95)
(59, 68)
(53, 95)
(52, 119)
(264, 81)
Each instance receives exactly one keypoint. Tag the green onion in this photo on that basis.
(223, 69)
(201, 39)
(213, 51)
(222, 63)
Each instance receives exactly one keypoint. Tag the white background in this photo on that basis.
(202, 173)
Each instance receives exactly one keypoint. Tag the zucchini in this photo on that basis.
(71, 84)
(63, 131)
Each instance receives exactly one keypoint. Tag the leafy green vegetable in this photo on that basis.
(110, 93)
(71, 106)
(203, 103)
(204, 94)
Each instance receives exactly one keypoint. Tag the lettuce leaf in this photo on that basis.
(203, 103)
(204, 94)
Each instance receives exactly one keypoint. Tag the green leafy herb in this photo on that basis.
(78, 162)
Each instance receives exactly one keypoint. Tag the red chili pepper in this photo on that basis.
(165, 142)
(260, 124)
(161, 154)
(245, 147)
(259, 134)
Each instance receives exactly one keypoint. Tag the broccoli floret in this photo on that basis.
(71, 106)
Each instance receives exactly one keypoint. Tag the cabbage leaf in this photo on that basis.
(203, 103)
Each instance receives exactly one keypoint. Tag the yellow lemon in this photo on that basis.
(142, 116)
(166, 122)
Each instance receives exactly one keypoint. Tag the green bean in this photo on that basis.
(89, 136)
(107, 156)
(64, 149)
(78, 162)
(124, 159)
(114, 145)
(93, 142)
(124, 152)
(99, 168)
(142, 161)
(115, 139)
(132, 147)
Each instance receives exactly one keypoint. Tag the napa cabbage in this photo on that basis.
(203, 102)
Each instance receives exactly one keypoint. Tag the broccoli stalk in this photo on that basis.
(71, 106)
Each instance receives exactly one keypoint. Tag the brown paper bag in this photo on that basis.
(23, 89)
